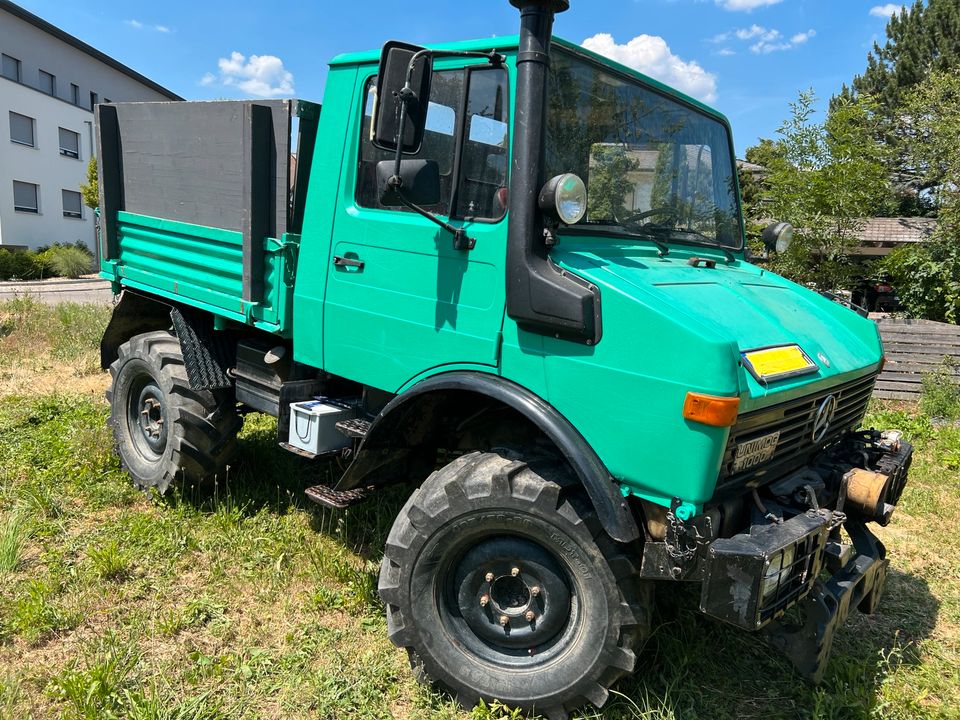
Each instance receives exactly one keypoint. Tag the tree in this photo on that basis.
(90, 190)
(927, 277)
(921, 40)
(824, 178)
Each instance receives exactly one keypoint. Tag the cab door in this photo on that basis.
(400, 298)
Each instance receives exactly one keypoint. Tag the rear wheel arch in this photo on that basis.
(408, 428)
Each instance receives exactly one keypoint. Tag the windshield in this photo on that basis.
(653, 166)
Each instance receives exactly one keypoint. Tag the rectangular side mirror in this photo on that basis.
(421, 183)
(395, 63)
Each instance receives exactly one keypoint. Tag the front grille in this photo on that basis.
(794, 420)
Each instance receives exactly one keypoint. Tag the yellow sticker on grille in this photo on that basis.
(778, 362)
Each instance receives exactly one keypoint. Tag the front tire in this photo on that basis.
(162, 428)
(503, 586)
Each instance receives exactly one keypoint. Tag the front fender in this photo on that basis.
(404, 422)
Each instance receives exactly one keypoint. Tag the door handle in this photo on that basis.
(341, 261)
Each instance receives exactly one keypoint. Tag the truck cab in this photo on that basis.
(511, 274)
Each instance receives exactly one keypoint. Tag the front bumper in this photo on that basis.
(754, 579)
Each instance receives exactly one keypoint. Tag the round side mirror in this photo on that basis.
(778, 236)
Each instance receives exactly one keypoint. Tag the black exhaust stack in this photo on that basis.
(541, 297)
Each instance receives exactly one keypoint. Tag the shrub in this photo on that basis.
(940, 393)
(927, 279)
(19, 265)
(69, 261)
(58, 260)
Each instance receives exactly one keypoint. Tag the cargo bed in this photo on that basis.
(202, 203)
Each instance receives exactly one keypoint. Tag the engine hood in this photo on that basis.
(732, 301)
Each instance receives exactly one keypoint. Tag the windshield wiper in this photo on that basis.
(712, 242)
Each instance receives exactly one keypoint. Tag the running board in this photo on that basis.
(354, 427)
(336, 499)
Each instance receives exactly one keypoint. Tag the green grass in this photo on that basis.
(245, 601)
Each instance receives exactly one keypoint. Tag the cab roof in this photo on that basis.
(508, 43)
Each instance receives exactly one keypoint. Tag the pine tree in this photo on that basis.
(922, 39)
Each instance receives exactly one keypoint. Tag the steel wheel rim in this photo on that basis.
(146, 417)
(486, 590)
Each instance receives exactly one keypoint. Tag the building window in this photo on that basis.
(74, 94)
(21, 130)
(72, 204)
(48, 83)
(94, 99)
(11, 68)
(26, 197)
(69, 143)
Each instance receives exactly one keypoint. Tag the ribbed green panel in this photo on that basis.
(202, 266)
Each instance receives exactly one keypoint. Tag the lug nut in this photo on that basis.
(504, 620)
(488, 577)
(530, 616)
(535, 590)
(484, 600)
(515, 571)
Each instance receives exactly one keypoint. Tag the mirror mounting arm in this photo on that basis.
(461, 241)
(407, 93)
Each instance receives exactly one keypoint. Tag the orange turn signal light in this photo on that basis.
(711, 410)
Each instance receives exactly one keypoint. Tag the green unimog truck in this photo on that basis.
(510, 274)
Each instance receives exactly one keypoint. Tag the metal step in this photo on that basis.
(354, 427)
(337, 499)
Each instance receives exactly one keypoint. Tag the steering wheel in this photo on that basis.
(667, 212)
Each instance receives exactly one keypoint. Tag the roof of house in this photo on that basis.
(56, 32)
(897, 230)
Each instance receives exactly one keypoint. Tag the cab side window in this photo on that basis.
(466, 136)
(483, 177)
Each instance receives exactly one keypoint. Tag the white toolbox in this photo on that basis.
(313, 425)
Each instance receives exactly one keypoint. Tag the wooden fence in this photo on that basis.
(914, 348)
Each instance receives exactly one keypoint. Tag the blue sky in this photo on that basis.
(749, 58)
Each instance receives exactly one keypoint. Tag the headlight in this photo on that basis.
(778, 236)
(779, 571)
(565, 198)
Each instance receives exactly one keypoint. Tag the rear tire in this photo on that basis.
(162, 428)
(503, 586)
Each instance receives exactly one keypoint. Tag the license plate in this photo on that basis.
(753, 452)
(777, 363)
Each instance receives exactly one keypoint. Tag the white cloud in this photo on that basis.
(763, 40)
(725, 52)
(772, 41)
(138, 25)
(756, 31)
(259, 75)
(652, 56)
(886, 11)
(745, 5)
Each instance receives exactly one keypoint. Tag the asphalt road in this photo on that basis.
(58, 290)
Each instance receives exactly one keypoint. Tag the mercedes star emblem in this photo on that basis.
(823, 418)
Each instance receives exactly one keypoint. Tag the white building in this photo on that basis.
(49, 83)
